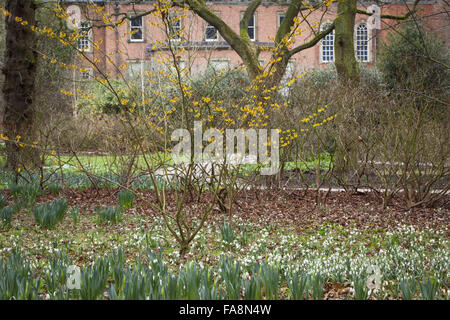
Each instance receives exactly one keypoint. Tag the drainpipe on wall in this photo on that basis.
(116, 30)
(375, 46)
(142, 80)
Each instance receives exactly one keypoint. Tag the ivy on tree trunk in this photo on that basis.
(346, 65)
(19, 87)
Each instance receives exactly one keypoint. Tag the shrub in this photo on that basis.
(410, 59)
(428, 289)
(371, 77)
(298, 285)
(125, 199)
(54, 188)
(230, 272)
(94, 279)
(109, 214)
(104, 99)
(221, 85)
(16, 279)
(50, 214)
(360, 287)
(3, 201)
(316, 282)
(56, 276)
(74, 213)
(319, 78)
(25, 193)
(6, 214)
(270, 277)
(227, 232)
(253, 287)
(408, 288)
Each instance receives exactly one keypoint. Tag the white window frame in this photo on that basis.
(89, 73)
(182, 67)
(322, 46)
(254, 27)
(87, 38)
(132, 28)
(219, 60)
(369, 41)
(131, 75)
(209, 26)
(177, 29)
(279, 15)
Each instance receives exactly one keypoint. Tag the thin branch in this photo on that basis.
(393, 17)
(249, 12)
(319, 36)
(294, 8)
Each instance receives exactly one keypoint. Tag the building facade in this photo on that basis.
(136, 44)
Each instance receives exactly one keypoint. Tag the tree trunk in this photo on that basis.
(19, 86)
(346, 64)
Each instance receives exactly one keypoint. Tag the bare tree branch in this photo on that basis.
(393, 17)
(319, 36)
(249, 12)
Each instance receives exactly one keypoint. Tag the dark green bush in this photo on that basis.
(6, 215)
(109, 214)
(50, 214)
(414, 59)
(125, 199)
(107, 99)
(2, 201)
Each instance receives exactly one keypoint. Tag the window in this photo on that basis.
(362, 43)
(327, 46)
(181, 65)
(174, 27)
(181, 68)
(252, 28)
(84, 41)
(219, 65)
(211, 33)
(280, 18)
(137, 30)
(287, 77)
(135, 69)
(86, 73)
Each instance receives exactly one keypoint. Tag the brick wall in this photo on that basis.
(266, 19)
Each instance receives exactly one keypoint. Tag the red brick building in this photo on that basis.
(139, 43)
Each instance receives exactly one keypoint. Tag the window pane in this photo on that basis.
(251, 23)
(251, 28)
(83, 40)
(327, 48)
(251, 33)
(136, 22)
(136, 29)
(219, 65)
(210, 33)
(362, 43)
(136, 34)
(175, 27)
(134, 70)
